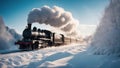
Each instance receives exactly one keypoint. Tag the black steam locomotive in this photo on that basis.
(37, 38)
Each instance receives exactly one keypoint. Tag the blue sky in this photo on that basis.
(14, 12)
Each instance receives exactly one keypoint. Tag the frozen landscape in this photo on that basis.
(68, 56)
(102, 52)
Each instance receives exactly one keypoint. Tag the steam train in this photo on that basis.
(37, 38)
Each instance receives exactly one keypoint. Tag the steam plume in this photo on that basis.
(56, 17)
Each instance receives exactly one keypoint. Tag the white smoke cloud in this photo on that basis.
(107, 37)
(55, 16)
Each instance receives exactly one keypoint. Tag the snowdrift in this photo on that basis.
(7, 36)
(107, 37)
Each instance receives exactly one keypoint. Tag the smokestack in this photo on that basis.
(29, 26)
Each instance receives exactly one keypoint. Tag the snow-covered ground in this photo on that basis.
(68, 56)
(47, 57)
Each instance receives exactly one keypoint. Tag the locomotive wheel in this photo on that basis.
(32, 47)
(29, 47)
(35, 45)
(42, 46)
(50, 43)
(21, 47)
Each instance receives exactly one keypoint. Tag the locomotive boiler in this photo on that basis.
(37, 38)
